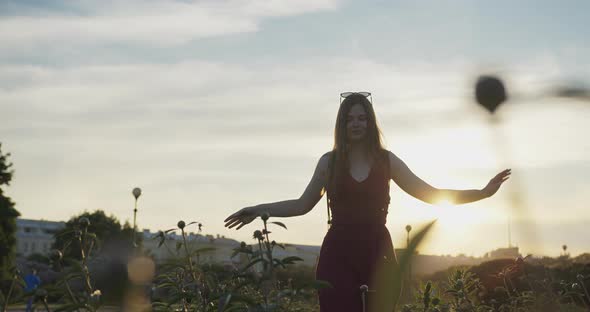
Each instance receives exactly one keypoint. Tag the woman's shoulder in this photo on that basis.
(329, 154)
(385, 153)
(389, 154)
(386, 158)
(326, 159)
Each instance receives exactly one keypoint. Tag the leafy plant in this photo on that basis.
(88, 298)
(195, 286)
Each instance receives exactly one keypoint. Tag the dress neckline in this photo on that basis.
(365, 179)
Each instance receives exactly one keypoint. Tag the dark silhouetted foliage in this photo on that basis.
(8, 215)
(110, 235)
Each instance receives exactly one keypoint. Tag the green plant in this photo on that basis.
(89, 298)
(254, 286)
(15, 280)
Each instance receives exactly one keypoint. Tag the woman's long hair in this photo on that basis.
(340, 151)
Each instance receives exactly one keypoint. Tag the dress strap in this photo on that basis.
(330, 173)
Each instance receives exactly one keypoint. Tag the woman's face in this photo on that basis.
(356, 123)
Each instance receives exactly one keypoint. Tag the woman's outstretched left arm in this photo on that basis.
(413, 185)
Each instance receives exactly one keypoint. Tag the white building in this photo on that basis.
(504, 253)
(35, 236)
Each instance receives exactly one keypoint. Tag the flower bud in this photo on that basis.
(136, 192)
(95, 296)
(265, 216)
(84, 222)
(258, 235)
(56, 255)
(490, 92)
(428, 286)
(181, 224)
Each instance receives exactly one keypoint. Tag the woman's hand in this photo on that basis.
(242, 217)
(495, 182)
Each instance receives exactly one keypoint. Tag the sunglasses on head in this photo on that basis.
(344, 95)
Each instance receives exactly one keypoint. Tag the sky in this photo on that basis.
(212, 106)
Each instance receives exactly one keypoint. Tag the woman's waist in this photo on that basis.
(358, 229)
(347, 232)
(354, 199)
(365, 222)
(359, 215)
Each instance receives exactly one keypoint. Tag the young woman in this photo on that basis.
(357, 248)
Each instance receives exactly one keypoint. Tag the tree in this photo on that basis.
(107, 229)
(114, 245)
(8, 215)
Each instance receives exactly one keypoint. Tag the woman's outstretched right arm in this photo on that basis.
(287, 208)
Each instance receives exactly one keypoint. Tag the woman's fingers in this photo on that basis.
(496, 183)
(230, 220)
(233, 215)
(499, 182)
(239, 214)
(234, 223)
(235, 219)
(240, 223)
(502, 176)
(238, 219)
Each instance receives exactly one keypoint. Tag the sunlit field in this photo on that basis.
(264, 282)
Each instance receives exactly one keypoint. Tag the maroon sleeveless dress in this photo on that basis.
(357, 243)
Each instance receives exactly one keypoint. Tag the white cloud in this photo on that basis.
(204, 138)
(419, 101)
(150, 22)
(194, 132)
